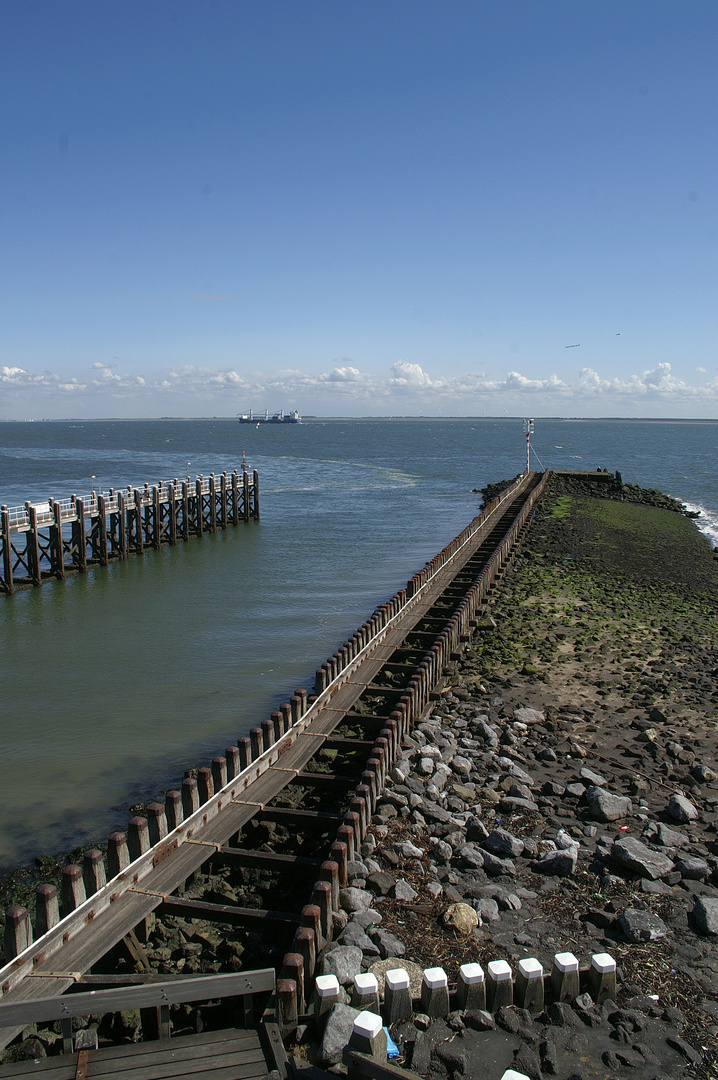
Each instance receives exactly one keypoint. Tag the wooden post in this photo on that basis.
(235, 497)
(18, 931)
(72, 892)
(156, 822)
(102, 529)
(185, 510)
(156, 519)
(245, 482)
(257, 742)
(199, 511)
(205, 784)
(118, 856)
(322, 898)
(267, 733)
(255, 484)
(172, 512)
(139, 538)
(305, 945)
(7, 552)
(190, 796)
(93, 871)
(287, 1016)
(244, 745)
(219, 772)
(138, 837)
(223, 500)
(286, 710)
(56, 547)
(293, 968)
(232, 756)
(121, 526)
(173, 809)
(212, 503)
(47, 909)
(33, 546)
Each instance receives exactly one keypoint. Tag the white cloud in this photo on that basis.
(344, 388)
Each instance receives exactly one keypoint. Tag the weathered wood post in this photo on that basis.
(212, 503)
(172, 513)
(102, 529)
(156, 519)
(6, 552)
(118, 855)
(121, 526)
(139, 539)
(33, 546)
(57, 552)
(199, 509)
(47, 908)
(235, 497)
(247, 508)
(223, 500)
(18, 931)
(185, 510)
(255, 480)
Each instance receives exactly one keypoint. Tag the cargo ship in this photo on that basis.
(280, 417)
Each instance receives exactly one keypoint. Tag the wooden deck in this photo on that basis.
(231, 1054)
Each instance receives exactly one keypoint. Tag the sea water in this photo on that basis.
(117, 681)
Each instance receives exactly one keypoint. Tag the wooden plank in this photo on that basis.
(224, 913)
(285, 816)
(169, 992)
(268, 859)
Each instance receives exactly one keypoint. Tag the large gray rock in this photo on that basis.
(344, 962)
(337, 1033)
(693, 868)
(472, 856)
(638, 857)
(705, 915)
(355, 899)
(604, 806)
(640, 926)
(387, 943)
(528, 716)
(501, 842)
(494, 865)
(681, 809)
(356, 935)
(558, 863)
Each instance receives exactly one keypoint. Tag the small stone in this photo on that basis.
(642, 926)
(380, 882)
(591, 777)
(487, 909)
(501, 842)
(403, 891)
(353, 899)
(705, 915)
(558, 863)
(681, 809)
(604, 806)
(460, 917)
(387, 944)
(407, 850)
(494, 865)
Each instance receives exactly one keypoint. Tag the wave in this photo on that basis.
(707, 522)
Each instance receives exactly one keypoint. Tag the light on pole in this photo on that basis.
(528, 431)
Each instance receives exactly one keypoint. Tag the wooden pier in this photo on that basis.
(47, 540)
(367, 696)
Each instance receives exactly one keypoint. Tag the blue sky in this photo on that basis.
(359, 208)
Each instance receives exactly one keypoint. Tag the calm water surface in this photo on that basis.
(117, 681)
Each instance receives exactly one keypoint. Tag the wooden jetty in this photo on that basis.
(47, 540)
(367, 696)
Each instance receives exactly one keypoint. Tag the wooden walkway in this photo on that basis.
(231, 1054)
(273, 758)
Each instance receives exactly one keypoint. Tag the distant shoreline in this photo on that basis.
(407, 419)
